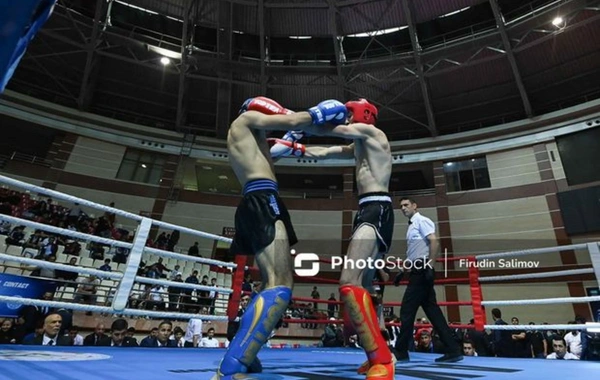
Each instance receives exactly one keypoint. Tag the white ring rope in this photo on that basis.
(180, 256)
(81, 201)
(105, 309)
(63, 267)
(154, 281)
(534, 251)
(111, 275)
(538, 327)
(191, 231)
(542, 301)
(536, 275)
(66, 232)
(67, 197)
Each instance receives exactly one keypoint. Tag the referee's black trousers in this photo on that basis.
(420, 293)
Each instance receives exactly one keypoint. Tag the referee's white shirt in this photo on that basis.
(194, 327)
(419, 228)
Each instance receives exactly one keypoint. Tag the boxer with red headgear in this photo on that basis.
(262, 223)
(372, 229)
(362, 111)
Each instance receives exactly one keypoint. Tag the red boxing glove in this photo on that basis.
(267, 106)
(284, 148)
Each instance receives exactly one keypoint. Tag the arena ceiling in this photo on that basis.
(434, 67)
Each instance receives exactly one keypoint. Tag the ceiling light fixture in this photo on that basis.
(144, 166)
(223, 177)
(206, 168)
(165, 61)
(558, 21)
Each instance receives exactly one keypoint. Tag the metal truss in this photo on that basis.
(97, 38)
(511, 57)
(412, 28)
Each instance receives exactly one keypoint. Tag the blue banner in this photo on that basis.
(24, 287)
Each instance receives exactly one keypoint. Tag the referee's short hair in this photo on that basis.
(411, 200)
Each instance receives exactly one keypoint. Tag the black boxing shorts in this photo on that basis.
(377, 211)
(255, 218)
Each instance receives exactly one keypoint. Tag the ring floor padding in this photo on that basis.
(105, 363)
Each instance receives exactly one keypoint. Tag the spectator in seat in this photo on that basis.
(212, 296)
(106, 267)
(76, 339)
(424, 341)
(537, 345)
(186, 298)
(233, 326)
(210, 341)
(118, 335)
(71, 277)
(49, 247)
(468, 348)
(16, 236)
(131, 334)
(163, 337)
(178, 336)
(315, 295)
(560, 350)
(573, 340)
(72, 248)
(519, 341)
(161, 268)
(176, 271)
(173, 240)
(156, 298)
(7, 333)
(146, 342)
(332, 307)
(330, 336)
(94, 338)
(35, 240)
(194, 250)
(50, 336)
(502, 339)
(86, 291)
(175, 293)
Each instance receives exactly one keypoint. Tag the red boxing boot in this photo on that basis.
(358, 303)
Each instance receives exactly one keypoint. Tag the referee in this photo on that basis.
(422, 245)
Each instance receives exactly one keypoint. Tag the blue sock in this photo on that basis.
(256, 325)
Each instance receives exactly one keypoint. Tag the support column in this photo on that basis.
(445, 235)
(224, 45)
(92, 63)
(412, 28)
(349, 204)
(187, 40)
(511, 56)
(160, 202)
(576, 288)
(59, 154)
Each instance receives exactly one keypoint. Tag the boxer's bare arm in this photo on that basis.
(330, 152)
(351, 131)
(257, 120)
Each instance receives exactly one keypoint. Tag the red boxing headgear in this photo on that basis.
(362, 111)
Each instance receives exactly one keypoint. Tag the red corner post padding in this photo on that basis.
(476, 294)
(236, 285)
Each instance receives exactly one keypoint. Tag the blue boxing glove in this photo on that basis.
(329, 111)
(293, 136)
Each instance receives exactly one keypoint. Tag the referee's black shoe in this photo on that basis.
(401, 356)
(450, 358)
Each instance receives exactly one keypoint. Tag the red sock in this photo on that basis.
(358, 303)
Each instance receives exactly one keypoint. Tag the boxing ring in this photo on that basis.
(280, 361)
